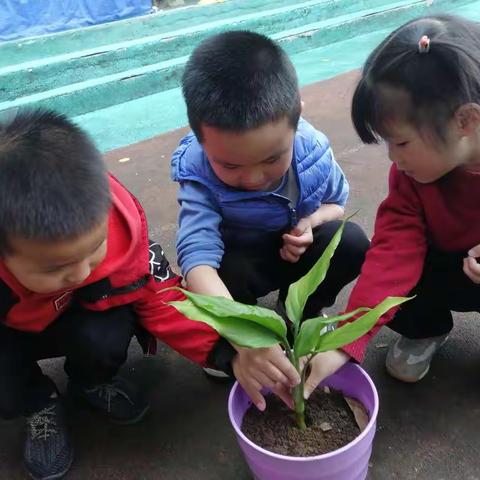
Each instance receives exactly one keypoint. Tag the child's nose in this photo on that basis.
(393, 156)
(254, 177)
(79, 273)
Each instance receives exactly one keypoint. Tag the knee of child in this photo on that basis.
(354, 242)
(89, 348)
(104, 348)
(235, 272)
(104, 333)
(9, 405)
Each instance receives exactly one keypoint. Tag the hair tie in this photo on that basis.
(424, 44)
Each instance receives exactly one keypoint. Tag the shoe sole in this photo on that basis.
(211, 372)
(56, 476)
(218, 379)
(402, 378)
(217, 376)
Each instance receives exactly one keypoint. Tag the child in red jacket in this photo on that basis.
(78, 278)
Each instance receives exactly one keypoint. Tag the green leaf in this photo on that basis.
(224, 307)
(299, 291)
(309, 334)
(235, 330)
(351, 331)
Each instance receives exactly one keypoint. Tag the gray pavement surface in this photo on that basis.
(427, 431)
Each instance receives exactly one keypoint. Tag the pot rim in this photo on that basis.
(358, 439)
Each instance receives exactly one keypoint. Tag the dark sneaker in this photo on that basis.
(48, 453)
(118, 399)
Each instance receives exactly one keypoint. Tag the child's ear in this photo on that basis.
(467, 118)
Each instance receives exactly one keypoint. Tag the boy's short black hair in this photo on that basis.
(240, 80)
(53, 181)
(424, 88)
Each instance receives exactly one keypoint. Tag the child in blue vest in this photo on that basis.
(261, 194)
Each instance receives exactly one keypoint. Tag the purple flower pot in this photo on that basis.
(347, 463)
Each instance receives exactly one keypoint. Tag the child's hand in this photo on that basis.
(256, 368)
(322, 365)
(297, 241)
(471, 267)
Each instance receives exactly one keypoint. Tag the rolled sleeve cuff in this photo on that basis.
(357, 349)
(208, 260)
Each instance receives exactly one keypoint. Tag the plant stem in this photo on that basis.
(299, 404)
(297, 394)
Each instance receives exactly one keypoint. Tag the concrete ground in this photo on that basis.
(425, 431)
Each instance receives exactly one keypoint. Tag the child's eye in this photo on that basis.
(272, 160)
(230, 167)
(54, 269)
(401, 144)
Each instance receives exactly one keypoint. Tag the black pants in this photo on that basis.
(95, 345)
(250, 273)
(443, 287)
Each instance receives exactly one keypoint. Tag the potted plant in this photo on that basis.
(256, 327)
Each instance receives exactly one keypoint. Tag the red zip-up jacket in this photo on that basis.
(444, 215)
(134, 271)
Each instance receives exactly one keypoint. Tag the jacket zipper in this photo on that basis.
(293, 217)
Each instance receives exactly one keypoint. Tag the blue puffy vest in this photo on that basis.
(248, 213)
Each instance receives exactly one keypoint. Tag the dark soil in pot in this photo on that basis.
(330, 423)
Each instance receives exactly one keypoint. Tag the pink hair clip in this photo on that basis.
(424, 44)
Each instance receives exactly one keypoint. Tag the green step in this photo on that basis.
(20, 51)
(165, 111)
(146, 119)
(101, 92)
(47, 73)
(83, 97)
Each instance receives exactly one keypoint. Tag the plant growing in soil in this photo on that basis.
(257, 327)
